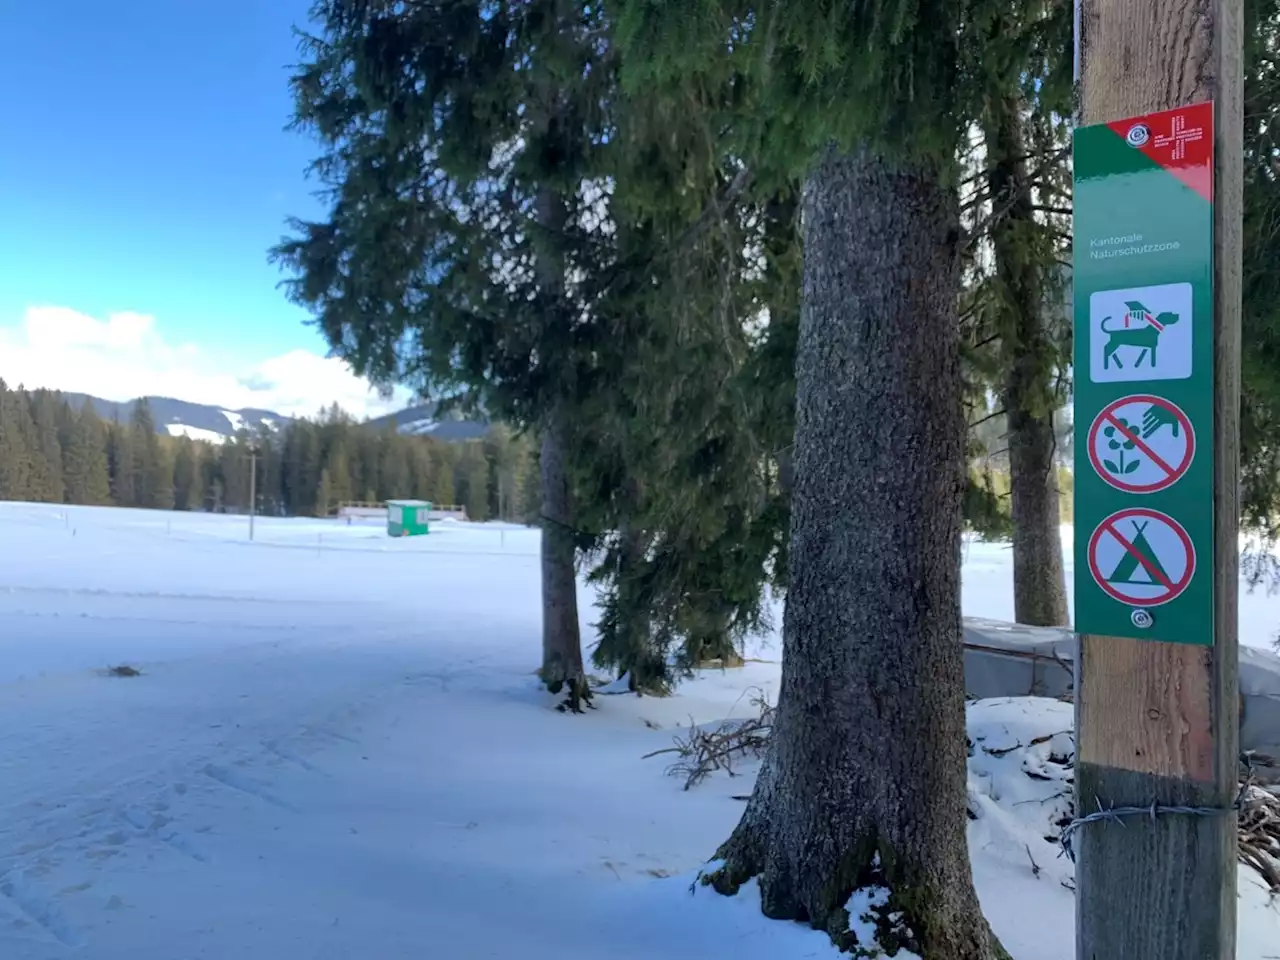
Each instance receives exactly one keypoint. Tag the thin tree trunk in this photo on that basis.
(864, 785)
(644, 665)
(562, 666)
(1039, 582)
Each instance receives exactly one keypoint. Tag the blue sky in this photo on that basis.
(144, 172)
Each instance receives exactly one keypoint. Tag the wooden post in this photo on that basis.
(1158, 722)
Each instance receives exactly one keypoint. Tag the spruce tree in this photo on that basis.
(34, 464)
(529, 494)
(1260, 318)
(472, 482)
(153, 469)
(324, 499)
(85, 459)
(338, 465)
(123, 464)
(233, 471)
(505, 455)
(48, 484)
(866, 104)
(445, 461)
(420, 468)
(66, 418)
(271, 473)
(302, 466)
(680, 452)
(457, 264)
(1015, 305)
(15, 451)
(188, 481)
(392, 451)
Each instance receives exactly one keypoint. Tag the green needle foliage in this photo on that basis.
(679, 463)
(443, 125)
(507, 229)
(1260, 347)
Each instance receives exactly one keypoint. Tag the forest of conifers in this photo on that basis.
(56, 452)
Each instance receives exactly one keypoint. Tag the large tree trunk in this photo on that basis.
(562, 666)
(1039, 583)
(865, 782)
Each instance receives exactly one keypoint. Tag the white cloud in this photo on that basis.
(125, 356)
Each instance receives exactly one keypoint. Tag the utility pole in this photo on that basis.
(1157, 280)
(253, 486)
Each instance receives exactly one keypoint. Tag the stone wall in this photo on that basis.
(1009, 660)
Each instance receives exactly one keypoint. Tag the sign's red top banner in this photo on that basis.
(1180, 141)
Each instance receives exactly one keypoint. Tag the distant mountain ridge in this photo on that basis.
(201, 421)
(426, 420)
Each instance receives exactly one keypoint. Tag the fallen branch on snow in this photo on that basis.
(1260, 834)
(704, 750)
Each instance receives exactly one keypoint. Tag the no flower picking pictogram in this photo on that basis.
(1142, 444)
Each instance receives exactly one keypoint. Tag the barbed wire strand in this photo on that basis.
(1117, 815)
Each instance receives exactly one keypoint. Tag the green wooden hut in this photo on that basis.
(408, 518)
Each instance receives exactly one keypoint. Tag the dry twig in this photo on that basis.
(704, 750)
(1260, 834)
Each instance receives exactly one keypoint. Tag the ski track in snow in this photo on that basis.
(342, 751)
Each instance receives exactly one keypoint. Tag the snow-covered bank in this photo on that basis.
(336, 748)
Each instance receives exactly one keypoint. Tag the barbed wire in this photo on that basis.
(1117, 815)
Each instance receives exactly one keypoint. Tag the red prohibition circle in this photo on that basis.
(1103, 418)
(1108, 526)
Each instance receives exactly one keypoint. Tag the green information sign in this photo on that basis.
(1143, 315)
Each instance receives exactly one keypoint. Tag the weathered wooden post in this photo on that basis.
(1158, 173)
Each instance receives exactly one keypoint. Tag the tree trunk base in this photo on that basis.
(575, 685)
(654, 686)
(899, 918)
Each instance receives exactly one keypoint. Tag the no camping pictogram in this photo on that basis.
(1141, 443)
(1143, 558)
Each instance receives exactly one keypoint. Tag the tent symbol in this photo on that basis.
(1150, 563)
(1146, 570)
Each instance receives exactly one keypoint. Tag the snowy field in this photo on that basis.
(337, 749)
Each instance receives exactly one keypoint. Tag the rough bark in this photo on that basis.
(865, 782)
(562, 665)
(1039, 582)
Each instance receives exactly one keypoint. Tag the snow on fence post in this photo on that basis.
(1157, 225)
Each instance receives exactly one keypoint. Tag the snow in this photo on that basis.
(195, 433)
(235, 419)
(420, 428)
(863, 906)
(337, 748)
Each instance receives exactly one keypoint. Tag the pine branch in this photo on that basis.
(989, 417)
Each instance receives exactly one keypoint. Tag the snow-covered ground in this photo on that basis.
(336, 748)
